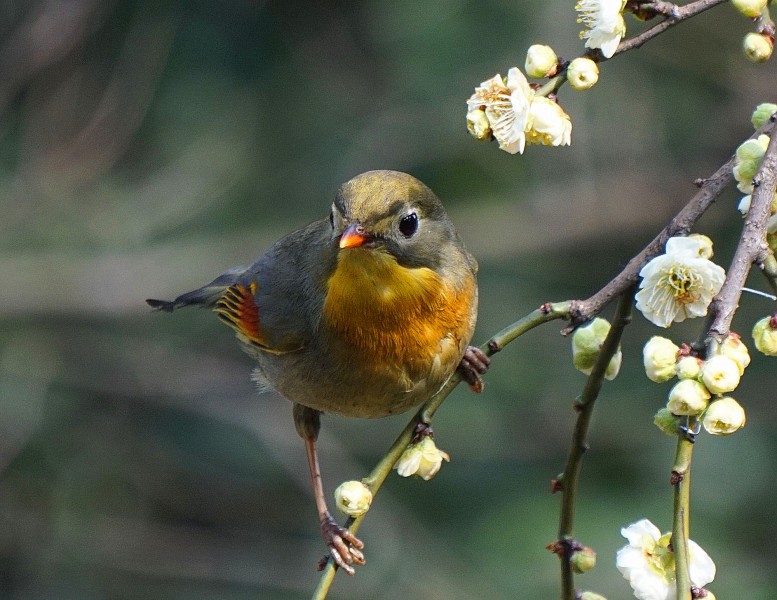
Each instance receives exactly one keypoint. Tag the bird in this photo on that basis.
(366, 313)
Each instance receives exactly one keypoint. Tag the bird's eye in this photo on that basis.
(408, 225)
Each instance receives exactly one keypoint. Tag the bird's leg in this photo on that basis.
(344, 547)
(473, 365)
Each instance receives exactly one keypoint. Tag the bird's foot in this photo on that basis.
(473, 365)
(344, 547)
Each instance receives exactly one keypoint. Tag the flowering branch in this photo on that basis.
(675, 14)
(710, 188)
(376, 478)
(752, 247)
(568, 483)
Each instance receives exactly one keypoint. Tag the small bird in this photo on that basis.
(366, 313)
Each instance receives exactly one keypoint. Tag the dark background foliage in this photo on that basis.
(146, 146)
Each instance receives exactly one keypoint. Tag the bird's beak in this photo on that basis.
(355, 235)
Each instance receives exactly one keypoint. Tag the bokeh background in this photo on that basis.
(146, 146)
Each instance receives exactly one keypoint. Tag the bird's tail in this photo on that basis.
(206, 296)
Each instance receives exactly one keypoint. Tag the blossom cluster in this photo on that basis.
(509, 111)
(703, 384)
(680, 283)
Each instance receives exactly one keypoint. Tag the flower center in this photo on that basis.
(682, 282)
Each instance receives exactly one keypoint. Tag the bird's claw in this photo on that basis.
(473, 365)
(344, 547)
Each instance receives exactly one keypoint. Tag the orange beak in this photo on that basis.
(355, 235)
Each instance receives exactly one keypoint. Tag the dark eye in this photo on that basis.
(408, 225)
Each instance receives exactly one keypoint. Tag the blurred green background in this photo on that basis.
(146, 146)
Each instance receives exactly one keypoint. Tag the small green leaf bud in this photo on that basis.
(720, 374)
(660, 358)
(757, 46)
(541, 61)
(688, 397)
(762, 114)
(667, 422)
(749, 8)
(724, 416)
(583, 560)
(582, 73)
(353, 498)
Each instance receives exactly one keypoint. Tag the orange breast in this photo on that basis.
(395, 316)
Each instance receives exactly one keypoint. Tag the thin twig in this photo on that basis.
(579, 445)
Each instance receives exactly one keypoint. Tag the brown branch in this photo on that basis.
(676, 14)
(752, 248)
(583, 310)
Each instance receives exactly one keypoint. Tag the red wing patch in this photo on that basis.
(237, 309)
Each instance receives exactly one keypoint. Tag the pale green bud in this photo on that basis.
(734, 348)
(591, 596)
(478, 125)
(688, 397)
(749, 8)
(757, 47)
(667, 422)
(582, 73)
(586, 344)
(353, 498)
(720, 374)
(724, 416)
(660, 358)
(765, 336)
(762, 114)
(541, 61)
(689, 367)
(583, 560)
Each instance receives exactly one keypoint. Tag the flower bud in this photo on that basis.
(583, 560)
(353, 498)
(586, 344)
(582, 73)
(734, 348)
(688, 397)
(765, 336)
(757, 46)
(762, 114)
(704, 249)
(720, 374)
(724, 416)
(421, 459)
(660, 358)
(667, 422)
(591, 596)
(614, 367)
(689, 367)
(478, 124)
(744, 204)
(541, 61)
(749, 8)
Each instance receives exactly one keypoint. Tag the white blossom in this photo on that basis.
(647, 562)
(422, 459)
(604, 20)
(679, 284)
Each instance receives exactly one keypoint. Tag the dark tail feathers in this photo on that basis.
(207, 295)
